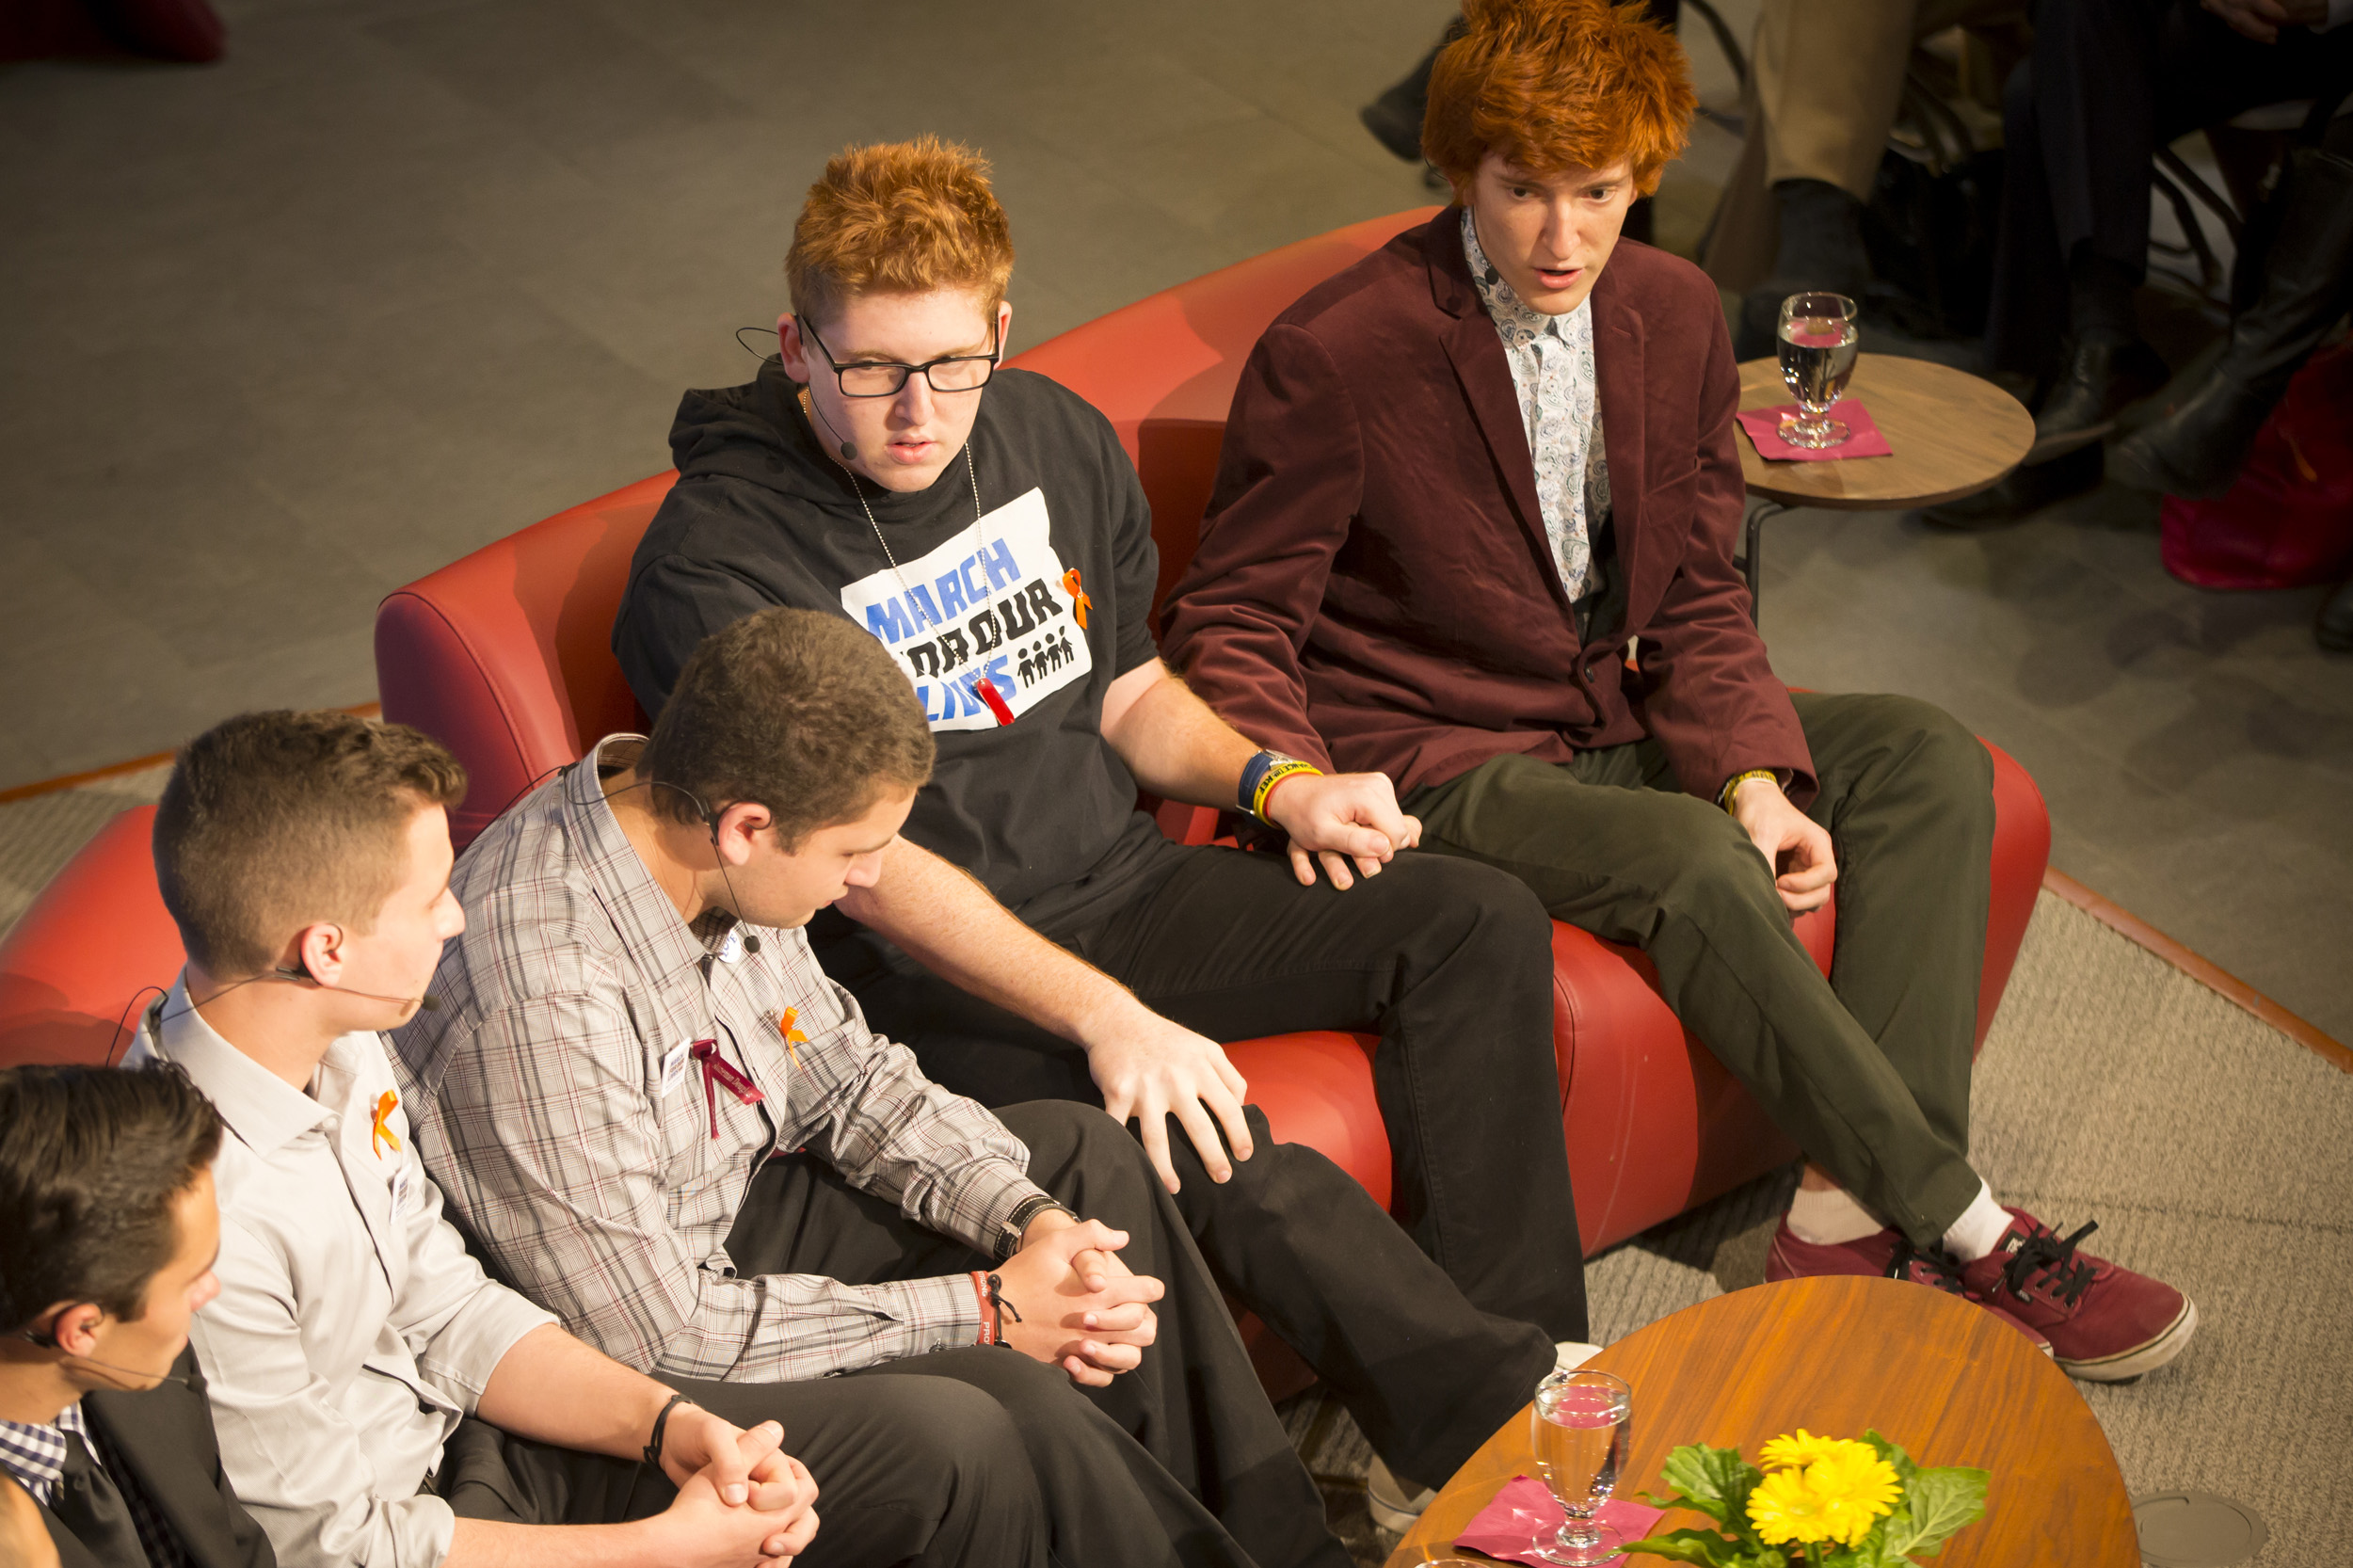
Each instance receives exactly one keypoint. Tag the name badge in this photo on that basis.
(732, 945)
(674, 1066)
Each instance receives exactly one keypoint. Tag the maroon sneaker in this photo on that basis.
(2104, 1323)
(1883, 1255)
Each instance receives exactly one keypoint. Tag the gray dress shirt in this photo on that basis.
(352, 1330)
(563, 1109)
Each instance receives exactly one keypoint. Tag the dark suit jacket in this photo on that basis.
(166, 1437)
(1373, 586)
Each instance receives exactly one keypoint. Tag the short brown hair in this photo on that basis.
(1557, 85)
(899, 217)
(272, 820)
(92, 1161)
(798, 710)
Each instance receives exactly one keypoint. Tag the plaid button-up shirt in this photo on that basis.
(557, 1102)
(35, 1455)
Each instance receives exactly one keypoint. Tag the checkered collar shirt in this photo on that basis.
(35, 1455)
(1552, 370)
(560, 1101)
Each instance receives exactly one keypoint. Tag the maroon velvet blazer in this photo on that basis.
(1373, 588)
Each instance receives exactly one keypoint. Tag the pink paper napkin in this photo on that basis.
(1506, 1526)
(1862, 434)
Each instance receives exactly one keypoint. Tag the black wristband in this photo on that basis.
(660, 1422)
(1009, 1238)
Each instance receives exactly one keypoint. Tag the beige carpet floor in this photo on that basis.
(2213, 1150)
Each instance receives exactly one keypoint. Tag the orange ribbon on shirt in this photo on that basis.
(785, 1030)
(378, 1135)
(1080, 602)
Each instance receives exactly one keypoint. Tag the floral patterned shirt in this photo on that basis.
(1552, 369)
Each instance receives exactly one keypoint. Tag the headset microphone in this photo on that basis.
(49, 1342)
(425, 1004)
(808, 400)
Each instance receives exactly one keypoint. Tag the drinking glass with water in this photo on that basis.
(1581, 1420)
(1819, 342)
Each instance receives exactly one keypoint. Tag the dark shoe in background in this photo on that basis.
(2196, 449)
(2026, 490)
(2333, 627)
(1820, 247)
(2099, 378)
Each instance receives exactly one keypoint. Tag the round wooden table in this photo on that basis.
(1950, 435)
(1949, 1380)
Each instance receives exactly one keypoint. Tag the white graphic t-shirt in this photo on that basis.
(994, 604)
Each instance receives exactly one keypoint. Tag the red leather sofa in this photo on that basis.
(504, 656)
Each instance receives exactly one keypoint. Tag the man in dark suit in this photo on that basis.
(1424, 557)
(106, 1178)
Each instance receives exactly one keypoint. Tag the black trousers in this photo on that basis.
(981, 1456)
(910, 1470)
(1450, 963)
(1181, 1461)
(1867, 1071)
(2109, 84)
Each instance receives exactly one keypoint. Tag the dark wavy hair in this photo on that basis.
(92, 1161)
(798, 711)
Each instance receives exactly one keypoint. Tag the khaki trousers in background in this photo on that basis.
(1868, 1070)
(1825, 79)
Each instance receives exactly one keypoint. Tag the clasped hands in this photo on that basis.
(1073, 1304)
(1340, 818)
(739, 1487)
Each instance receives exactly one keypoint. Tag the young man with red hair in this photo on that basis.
(1460, 480)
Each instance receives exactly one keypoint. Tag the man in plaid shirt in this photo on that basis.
(644, 1098)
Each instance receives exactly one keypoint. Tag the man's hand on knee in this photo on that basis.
(1794, 844)
(1071, 1302)
(1339, 819)
(1153, 1069)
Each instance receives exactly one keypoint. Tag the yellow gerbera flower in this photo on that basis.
(1784, 1507)
(1856, 1486)
(1796, 1453)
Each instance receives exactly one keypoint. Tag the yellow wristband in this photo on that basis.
(1291, 767)
(1724, 797)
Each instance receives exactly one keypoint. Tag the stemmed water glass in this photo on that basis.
(1581, 1420)
(1819, 340)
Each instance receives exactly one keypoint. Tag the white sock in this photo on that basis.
(1569, 1355)
(1980, 1227)
(1827, 1218)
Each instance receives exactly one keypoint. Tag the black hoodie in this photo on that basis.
(1048, 597)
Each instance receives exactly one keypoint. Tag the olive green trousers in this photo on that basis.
(1868, 1070)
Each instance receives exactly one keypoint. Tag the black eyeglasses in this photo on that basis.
(956, 373)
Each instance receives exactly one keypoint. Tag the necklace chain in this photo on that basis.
(859, 490)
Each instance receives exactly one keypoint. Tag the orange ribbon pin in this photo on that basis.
(786, 1032)
(1080, 602)
(378, 1135)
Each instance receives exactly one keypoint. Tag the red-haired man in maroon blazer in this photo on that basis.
(1464, 478)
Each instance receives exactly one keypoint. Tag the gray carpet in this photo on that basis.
(2213, 1150)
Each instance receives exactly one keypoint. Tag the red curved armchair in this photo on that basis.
(505, 655)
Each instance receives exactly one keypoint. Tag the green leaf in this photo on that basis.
(1879, 1549)
(1943, 1501)
(1714, 1482)
(1894, 1454)
(1702, 1546)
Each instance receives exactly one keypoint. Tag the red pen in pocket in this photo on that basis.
(717, 1070)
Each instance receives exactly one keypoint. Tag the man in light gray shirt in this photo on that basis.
(380, 1402)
